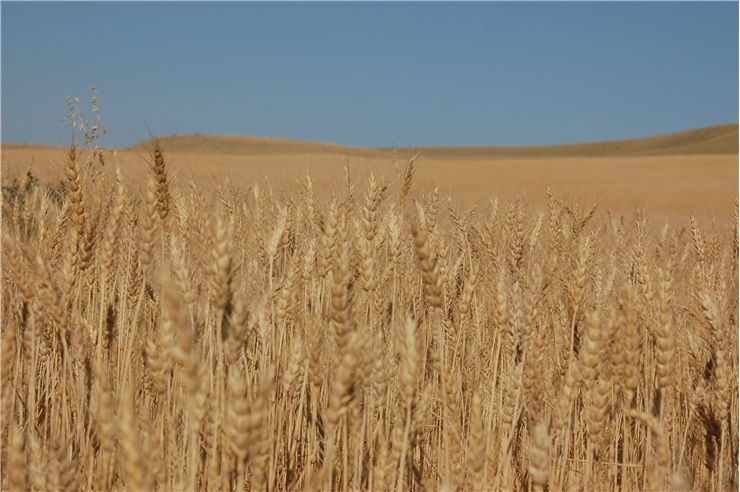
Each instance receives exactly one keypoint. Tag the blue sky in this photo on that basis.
(372, 73)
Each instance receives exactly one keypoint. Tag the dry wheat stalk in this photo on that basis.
(281, 339)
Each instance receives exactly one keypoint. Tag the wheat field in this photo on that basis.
(370, 336)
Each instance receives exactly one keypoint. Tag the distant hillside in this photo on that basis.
(715, 139)
(31, 146)
(237, 144)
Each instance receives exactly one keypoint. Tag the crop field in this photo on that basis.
(178, 319)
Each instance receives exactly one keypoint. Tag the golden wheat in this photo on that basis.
(289, 340)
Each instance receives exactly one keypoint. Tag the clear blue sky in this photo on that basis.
(370, 73)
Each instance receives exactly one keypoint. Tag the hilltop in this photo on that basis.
(244, 144)
(707, 140)
(715, 139)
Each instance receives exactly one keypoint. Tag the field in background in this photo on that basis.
(670, 176)
(213, 321)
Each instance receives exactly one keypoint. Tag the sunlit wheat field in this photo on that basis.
(420, 246)
(168, 328)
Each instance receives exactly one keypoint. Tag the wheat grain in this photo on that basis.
(280, 339)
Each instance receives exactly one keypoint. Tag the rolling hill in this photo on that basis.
(707, 140)
(238, 144)
(715, 139)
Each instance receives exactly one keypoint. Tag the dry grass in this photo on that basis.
(370, 336)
